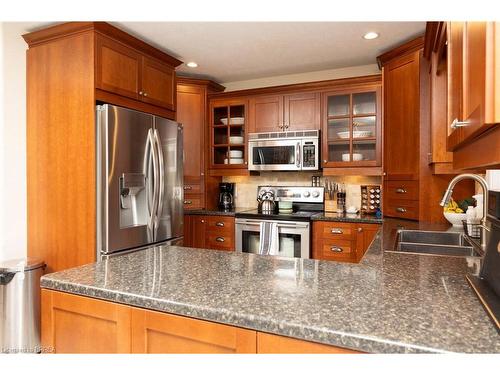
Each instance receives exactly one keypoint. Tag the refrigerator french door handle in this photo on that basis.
(161, 184)
(156, 193)
(146, 168)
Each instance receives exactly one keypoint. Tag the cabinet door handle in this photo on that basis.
(188, 202)
(202, 221)
(219, 224)
(400, 209)
(140, 92)
(187, 187)
(401, 190)
(337, 231)
(145, 94)
(459, 124)
(220, 239)
(336, 249)
(360, 230)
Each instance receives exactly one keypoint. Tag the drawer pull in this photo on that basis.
(400, 209)
(401, 190)
(188, 202)
(458, 124)
(219, 224)
(187, 187)
(360, 230)
(337, 231)
(336, 249)
(220, 239)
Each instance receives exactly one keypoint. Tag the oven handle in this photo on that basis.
(298, 155)
(257, 224)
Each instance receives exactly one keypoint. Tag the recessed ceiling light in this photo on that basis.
(371, 35)
(192, 64)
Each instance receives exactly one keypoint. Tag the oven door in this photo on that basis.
(274, 155)
(293, 237)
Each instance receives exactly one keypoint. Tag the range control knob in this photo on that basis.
(315, 194)
(306, 194)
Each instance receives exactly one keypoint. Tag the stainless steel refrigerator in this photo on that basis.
(139, 180)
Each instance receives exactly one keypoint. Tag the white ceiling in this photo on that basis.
(235, 51)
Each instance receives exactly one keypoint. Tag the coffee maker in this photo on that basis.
(226, 194)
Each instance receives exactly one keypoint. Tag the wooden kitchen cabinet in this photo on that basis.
(158, 83)
(340, 241)
(352, 136)
(302, 107)
(75, 324)
(402, 123)
(474, 93)
(266, 114)
(435, 51)
(82, 325)
(200, 189)
(302, 111)
(118, 67)
(289, 112)
(402, 117)
(274, 344)
(228, 132)
(162, 333)
(209, 232)
(416, 164)
(123, 70)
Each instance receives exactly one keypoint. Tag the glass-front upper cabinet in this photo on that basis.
(227, 134)
(351, 128)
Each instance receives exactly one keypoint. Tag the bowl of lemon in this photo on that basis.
(454, 213)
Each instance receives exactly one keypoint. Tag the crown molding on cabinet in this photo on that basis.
(72, 28)
(302, 87)
(408, 47)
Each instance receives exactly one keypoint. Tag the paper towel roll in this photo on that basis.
(493, 179)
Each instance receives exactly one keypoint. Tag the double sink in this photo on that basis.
(434, 243)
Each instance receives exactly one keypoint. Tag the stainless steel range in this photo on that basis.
(284, 231)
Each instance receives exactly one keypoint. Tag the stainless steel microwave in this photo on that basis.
(284, 151)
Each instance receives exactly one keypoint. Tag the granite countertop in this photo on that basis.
(388, 303)
(322, 216)
(217, 211)
(348, 218)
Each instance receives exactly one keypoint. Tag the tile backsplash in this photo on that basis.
(246, 186)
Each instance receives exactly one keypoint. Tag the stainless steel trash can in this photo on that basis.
(20, 305)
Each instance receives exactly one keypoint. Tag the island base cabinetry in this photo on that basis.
(156, 332)
(74, 324)
(77, 324)
(274, 344)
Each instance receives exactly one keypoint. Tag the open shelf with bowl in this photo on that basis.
(227, 134)
(352, 128)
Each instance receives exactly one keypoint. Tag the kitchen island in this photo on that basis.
(388, 303)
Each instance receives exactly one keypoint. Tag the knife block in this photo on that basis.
(331, 205)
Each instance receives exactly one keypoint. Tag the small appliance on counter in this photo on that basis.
(226, 196)
(370, 198)
(487, 285)
(266, 202)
